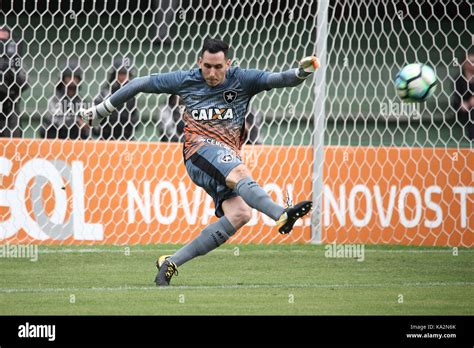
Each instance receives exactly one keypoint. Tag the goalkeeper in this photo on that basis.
(216, 96)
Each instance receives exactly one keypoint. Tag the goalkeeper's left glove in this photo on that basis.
(307, 66)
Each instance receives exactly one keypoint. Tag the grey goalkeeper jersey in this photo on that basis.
(212, 113)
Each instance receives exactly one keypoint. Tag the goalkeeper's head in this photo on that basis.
(214, 61)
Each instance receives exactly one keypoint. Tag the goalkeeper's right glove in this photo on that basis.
(94, 115)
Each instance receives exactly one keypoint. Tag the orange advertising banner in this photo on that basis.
(92, 192)
(409, 196)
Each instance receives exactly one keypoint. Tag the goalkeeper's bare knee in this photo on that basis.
(238, 173)
(237, 212)
(240, 217)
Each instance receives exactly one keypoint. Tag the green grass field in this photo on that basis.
(240, 280)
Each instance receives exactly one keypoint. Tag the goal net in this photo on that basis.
(378, 170)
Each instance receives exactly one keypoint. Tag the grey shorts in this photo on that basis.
(209, 167)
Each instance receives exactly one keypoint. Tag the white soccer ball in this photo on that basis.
(415, 82)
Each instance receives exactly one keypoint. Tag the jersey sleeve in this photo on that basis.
(254, 81)
(168, 82)
(155, 83)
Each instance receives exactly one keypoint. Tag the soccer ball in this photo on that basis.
(415, 82)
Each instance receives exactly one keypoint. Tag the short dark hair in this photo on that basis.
(215, 46)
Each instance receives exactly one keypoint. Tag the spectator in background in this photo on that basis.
(61, 121)
(172, 124)
(463, 97)
(121, 124)
(13, 83)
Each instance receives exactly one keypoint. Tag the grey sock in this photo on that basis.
(257, 198)
(209, 239)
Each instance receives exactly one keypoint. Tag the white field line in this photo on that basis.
(236, 286)
(131, 250)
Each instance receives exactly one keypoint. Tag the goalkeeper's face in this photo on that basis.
(214, 67)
